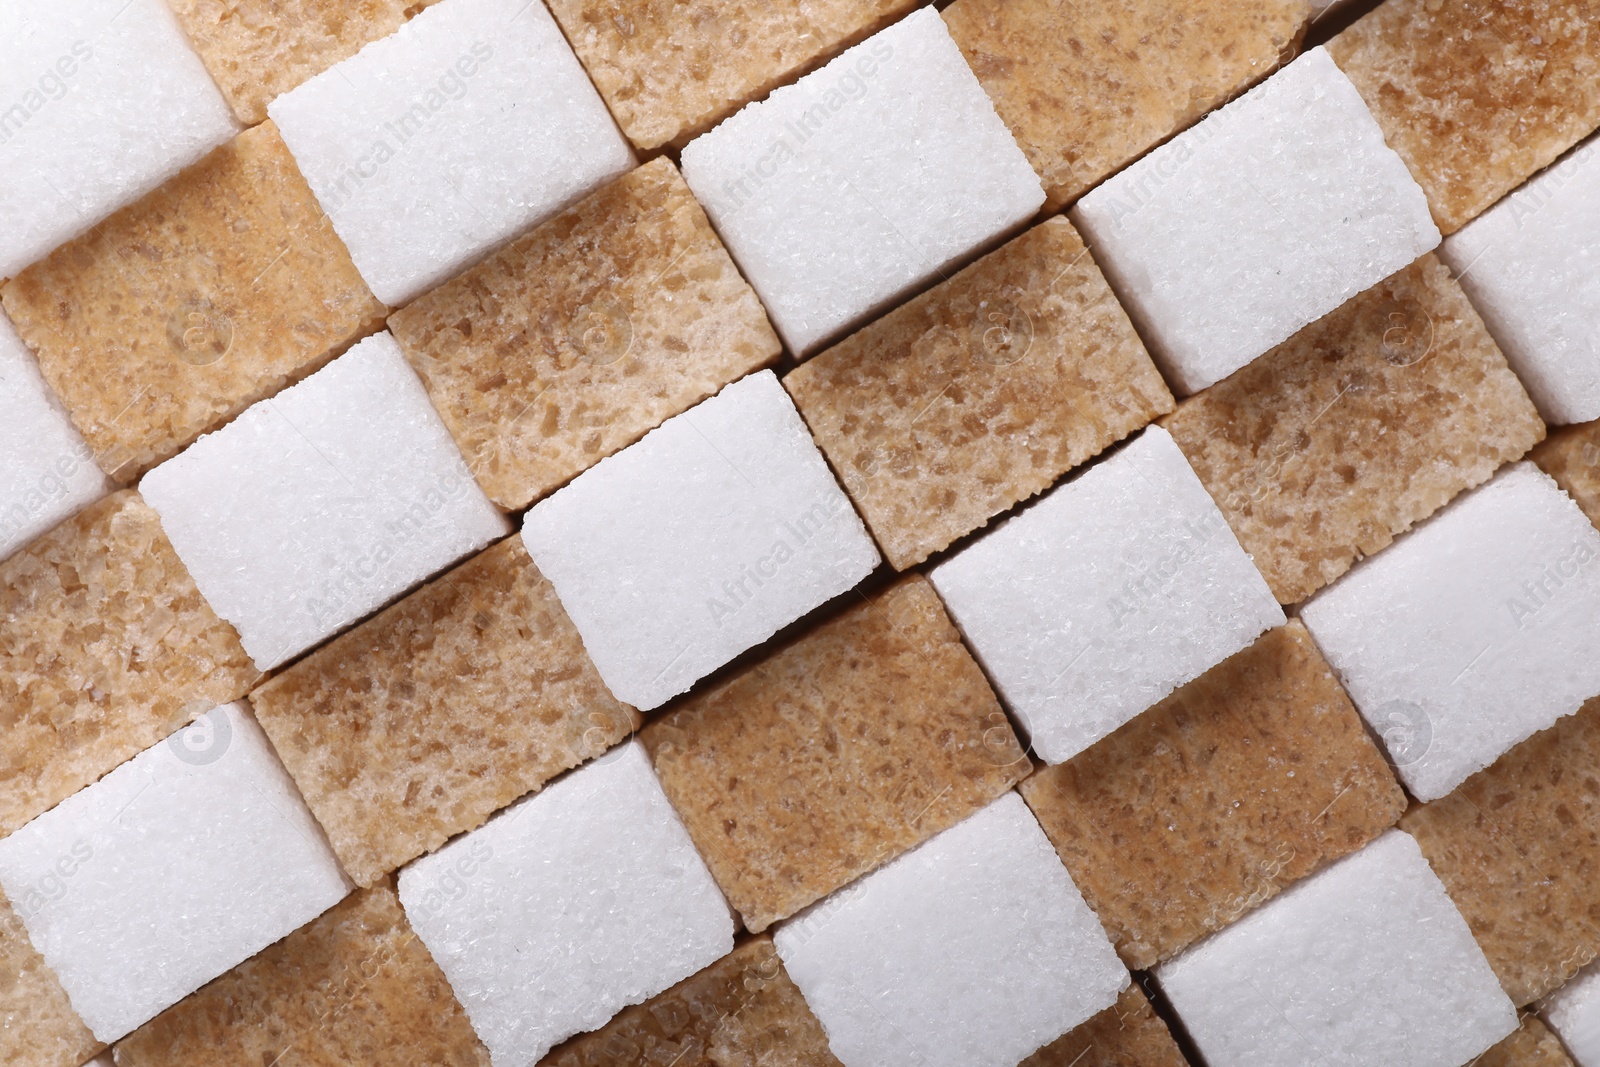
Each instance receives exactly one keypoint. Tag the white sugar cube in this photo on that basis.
(1113, 590)
(319, 505)
(1472, 632)
(863, 180)
(100, 102)
(1573, 1012)
(428, 148)
(1531, 265)
(1366, 962)
(177, 866)
(46, 470)
(705, 538)
(973, 950)
(567, 907)
(1262, 218)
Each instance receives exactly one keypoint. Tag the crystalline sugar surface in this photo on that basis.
(1573, 1012)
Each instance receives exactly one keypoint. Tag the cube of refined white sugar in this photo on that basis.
(719, 528)
(1573, 1012)
(569, 906)
(1472, 632)
(321, 504)
(100, 102)
(46, 469)
(863, 180)
(1109, 593)
(972, 950)
(1531, 265)
(177, 866)
(1365, 962)
(1262, 218)
(428, 148)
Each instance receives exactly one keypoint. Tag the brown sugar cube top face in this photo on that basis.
(106, 647)
(1127, 1034)
(218, 289)
(861, 739)
(1087, 86)
(1476, 96)
(424, 721)
(979, 393)
(38, 1027)
(1357, 427)
(1533, 1045)
(579, 338)
(1572, 457)
(1247, 779)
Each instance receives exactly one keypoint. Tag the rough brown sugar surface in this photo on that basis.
(1517, 846)
(1245, 780)
(1533, 1045)
(106, 647)
(979, 393)
(670, 69)
(1476, 95)
(1127, 1034)
(355, 986)
(1087, 86)
(864, 737)
(1360, 425)
(582, 336)
(1572, 457)
(422, 722)
(742, 1011)
(38, 1027)
(182, 309)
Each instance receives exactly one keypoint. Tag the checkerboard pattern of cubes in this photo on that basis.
(799, 533)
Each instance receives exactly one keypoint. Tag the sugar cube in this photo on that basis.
(1533, 1045)
(1572, 457)
(1127, 1034)
(321, 504)
(178, 865)
(702, 540)
(1573, 1012)
(567, 907)
(35, 1015)
(1114, 589)
(433, 145)
(842, 192)
(1264, 217)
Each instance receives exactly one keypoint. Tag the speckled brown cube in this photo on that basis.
(979, 393)
(1242, 782)
(862, 738)
(1533, 1045)
(1572, 457)
(1127, 1034)
(585, 334)
(1357, 427)
(184, 308)
(38, 1027)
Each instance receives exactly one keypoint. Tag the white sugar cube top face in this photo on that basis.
(1109, 593)
(1262, 218)
(321, 504)
(1531, 265)
(861, 181)
(177, 866)
(567, 907)
(100, 102)
(720, 527)
(1573, 1012)
(973, 950)
(1472, 632)
(469, 124)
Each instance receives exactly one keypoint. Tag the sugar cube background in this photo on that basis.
(35, 1015)
(1573, 1012)
(1127, 1033)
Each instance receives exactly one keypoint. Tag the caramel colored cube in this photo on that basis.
(1247, 779)
(106, 647)
(1360, 425)
(1476, 95)
(1127, 1034)
(862, 738)
(979, 393)
(585, 334)
(1088, 86)
(38, 1027)
(1533, 1045)
(1572, 457)
(184, 308)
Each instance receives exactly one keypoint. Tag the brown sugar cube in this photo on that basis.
(353, 987)
(1360, 425)
(1476, 96)
(585, 334)
(979, 393)
(1532, 1045)
(864, 737)
(1127, 1034)
(38, 1027)
(184, 308)
(106, 647)
(1572, 457)
(1517, 846)
(1088, 86)
(425, 720)
(1245, 780)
